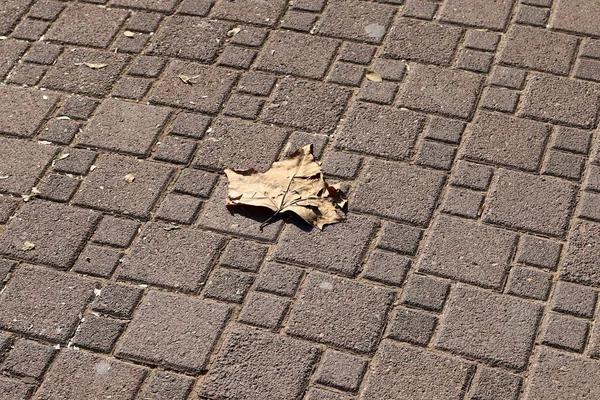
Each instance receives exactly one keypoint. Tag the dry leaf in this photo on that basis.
(64, 117)
(4, 176)
(190, 80)
(129, 34)
(129, 178)
(171, 227)
(62, 156)
(93, 65)
(374, 76)
(28, 246)
(234, 31)
(294, 185)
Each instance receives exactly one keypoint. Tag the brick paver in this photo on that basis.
(467, 267)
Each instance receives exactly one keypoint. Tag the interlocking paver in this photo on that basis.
(340, 370)
(478, 13)
(24, 110)
(11, 12)
(98, 333)
(495, 384)
(22, 164)
(166, 385)
(580, 262)
(177, 341)
(28, 358)
(251, 11)
(580, 16)
(11, 50)
(153, 5)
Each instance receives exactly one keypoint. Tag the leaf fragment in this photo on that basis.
(190, 80)
(234, 31)
(295, 185)
(129, 178)
(374, 76)
(28, 246)
(171, 228)
(62, 156)
(129, 34)
(93, 65)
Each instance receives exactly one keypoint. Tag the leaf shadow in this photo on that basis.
(261, 214)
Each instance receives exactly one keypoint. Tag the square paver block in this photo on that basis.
(466, 251)
(174, 331)
(313, 106)
(314, 248)
(190, 37)
(400, 371)
(11, 12)
(494, 328)
(22, 163)
(422, 41)
(576, 16)
(340, 312)
(43, 303)
(440, 90)
(505, 140)
(80, 375)
(298, 54)
(70, 74)
(153, 5)
(479, 13)
(106, 188)
(236, 143)
(125, 127)
(87, 25)
(580, 263)
(539, 49)
(178, 259)
(532, 202)
(260, 12)
(57, 230)
(254, 364)
(24, 110)
(557, 375)
(356, 20)
(561, 100)
(206, 95)
(410, 193)
(380, 130)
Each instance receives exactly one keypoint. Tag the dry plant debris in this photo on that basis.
(295, 185)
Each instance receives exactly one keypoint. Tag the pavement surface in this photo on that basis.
(468, 268)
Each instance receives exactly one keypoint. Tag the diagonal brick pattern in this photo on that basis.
(468, 269)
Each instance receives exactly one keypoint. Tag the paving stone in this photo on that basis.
(423, 9)
(243, 255)
(78, 162)
(561, 100)
(435, 155)
(250, 11)
(237, 57)
(8, 206)
(196, 182)
(313, 106)
(78, 107)
(565, 332)
(322, 394)
(481, 39)
(298, 140)
(313, 248)
(342, 165)
(462, 202)
(227, 145)
(538, 252)
(14, 388)
(115, 231)
(379, 130)
(590, 48)
(438, 90)
(399, 371)
(529, 283)
(422, 41)
(189, 37)
(98, 333)
(424, 292)
(340, 312)
(22, 164)
(580, 17)
(10, 13)
(76, 372)
(392, 70)
(473, 60)
(297, 54)
(147, 66)
(179, 208)
(175, 150)
(401, 238)
(59, 188)
(412, 326)
(420, 190)
(548, 381)
(26, 74)
(465, 251)
(28, 358)
(509, 77)
(97, 261)
(445, 130)
(356, 20)
(58, 232)
(341, 371)
(592, 181)
(279, 279)
(152, 5)
(24, 110)
(132, 88)
(207, 95)
(535, 203)
(506, 140)
(478, 13)
(117, 299)
(133, 44)
(264, 311)
(386, 267)
(243, 106)
(60, 131)
(87, 25)
(564, 165)
(30, 29)
(574, 299)
(250, 36)
(474, 315)
(298, 20)
(143, 22)
(495, 384)
(256, 83)
(69, 74)
(190, 125)
(499, 99)
(358, 53)
(346, 74)
(42, 53)
(185, 256)
(590, 206)
(532, 15)
(12, 50)
(259, 358)
(378, 92)
(176, 341)
(228, 285)
(166, 385)
(43, 303)
(106, 188)
(580, 263)
(572, 139)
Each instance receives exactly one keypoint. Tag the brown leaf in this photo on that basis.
(234, 31)
(93, 65)
(129, 178)
(190, 80)
(294, 185)
(129, 34)
(28, 246)
(374, 76)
